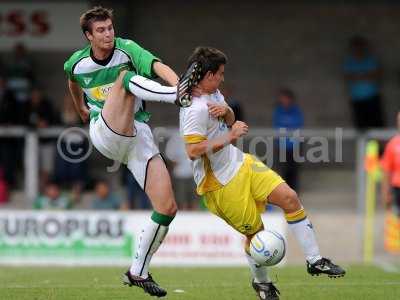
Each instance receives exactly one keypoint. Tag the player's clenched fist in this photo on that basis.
(239, 129)
(217, 110)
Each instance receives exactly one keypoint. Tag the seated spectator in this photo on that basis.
(104, 198)
(52, 199)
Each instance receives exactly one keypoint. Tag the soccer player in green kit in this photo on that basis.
(108, 81)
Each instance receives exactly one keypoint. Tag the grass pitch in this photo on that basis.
(48, 283)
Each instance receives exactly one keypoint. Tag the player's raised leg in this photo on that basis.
(149, 90)
(287, 199)
(159, 189)
(118, 110)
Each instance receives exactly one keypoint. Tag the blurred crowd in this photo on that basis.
(23, 102)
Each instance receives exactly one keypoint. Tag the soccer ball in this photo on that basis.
(267, 247)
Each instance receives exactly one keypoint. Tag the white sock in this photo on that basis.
(258, 272)
(149, 90)
(305, 235)
(150, 240)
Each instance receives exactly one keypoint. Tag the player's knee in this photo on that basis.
(171, 208)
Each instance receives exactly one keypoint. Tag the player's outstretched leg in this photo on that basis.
(149, 90)
(287, 199)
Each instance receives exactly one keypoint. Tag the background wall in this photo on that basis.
(269, 45)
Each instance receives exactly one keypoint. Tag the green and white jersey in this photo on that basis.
(97, 77)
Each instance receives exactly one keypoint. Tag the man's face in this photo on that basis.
(213, 81)
(102, 35)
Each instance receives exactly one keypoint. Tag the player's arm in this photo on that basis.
(165, 73)
(79, 102)
(217, 110)
(196, 148)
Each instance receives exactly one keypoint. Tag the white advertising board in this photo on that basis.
(109, 238)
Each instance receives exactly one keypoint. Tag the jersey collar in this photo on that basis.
(102, 62)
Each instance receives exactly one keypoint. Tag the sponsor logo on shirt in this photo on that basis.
(100, 93)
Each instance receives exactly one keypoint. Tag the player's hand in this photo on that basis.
(84, 114)
(238, 130)
(217, 110)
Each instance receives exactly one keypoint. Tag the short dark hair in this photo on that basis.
(97, 13)
(287, 92)
(209, 58)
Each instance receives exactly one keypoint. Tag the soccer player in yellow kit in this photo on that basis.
(236, 185)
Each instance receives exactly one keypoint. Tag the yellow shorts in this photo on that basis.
(241, 202)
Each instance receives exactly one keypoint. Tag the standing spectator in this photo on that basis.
(105, 199)
(363, 74)
(288, 115)
(71, 173)
(391, 192)
(19, 71)
(52, 198)
(391, 173)
(233, 103)
(10, 148)
(41, 114)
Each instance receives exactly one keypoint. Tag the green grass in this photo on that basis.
(37, 283)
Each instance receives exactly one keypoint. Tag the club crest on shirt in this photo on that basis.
(222, 124)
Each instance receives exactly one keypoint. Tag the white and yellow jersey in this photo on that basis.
(212, 170)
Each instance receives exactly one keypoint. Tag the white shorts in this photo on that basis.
(134, 151)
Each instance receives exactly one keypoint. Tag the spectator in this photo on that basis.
(233, 103)
(391, 192)
(287, 114)
(363, 74)
(19, 72)
(52, 198)
(105, 199)
(391, 173)
(11, 148)
(185, 186)
(9, 114)
(41, 114)
(72, 172)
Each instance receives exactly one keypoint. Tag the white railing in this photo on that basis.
(31, 150)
